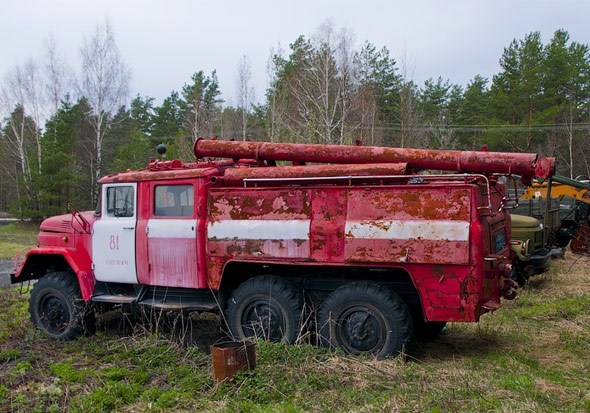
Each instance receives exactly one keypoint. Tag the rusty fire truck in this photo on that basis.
(348, 241)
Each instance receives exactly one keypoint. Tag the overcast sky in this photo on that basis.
(165, 42)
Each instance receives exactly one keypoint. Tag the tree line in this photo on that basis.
(62, 131)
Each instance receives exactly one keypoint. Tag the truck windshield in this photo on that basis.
(120, 201)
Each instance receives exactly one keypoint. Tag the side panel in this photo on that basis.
(426, 230)
(259, 224)
(351, 225)
(425, 225)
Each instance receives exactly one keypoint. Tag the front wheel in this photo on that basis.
(265, 307)
(364, 318)
(56, 307)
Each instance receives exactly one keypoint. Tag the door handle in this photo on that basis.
(128, 227)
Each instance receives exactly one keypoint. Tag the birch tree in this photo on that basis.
(22, 103)
(272, 96)
(320, 91)
(104, 82)
(18, 136)
(23, 87)
(58, 75)
(244, 92)
(410, 115)
(315, 85)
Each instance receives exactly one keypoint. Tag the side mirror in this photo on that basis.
(509, 202)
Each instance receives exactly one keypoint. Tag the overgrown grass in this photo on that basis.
(530, 356)
(16, 237)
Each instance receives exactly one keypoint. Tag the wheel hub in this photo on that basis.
(55, 314)
(362, 331)
(262, 319)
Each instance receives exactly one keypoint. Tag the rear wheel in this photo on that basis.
(56, 307)
(364, 318)
(266, 307)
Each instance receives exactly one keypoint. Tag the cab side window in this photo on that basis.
(120, 201)
(174, 201)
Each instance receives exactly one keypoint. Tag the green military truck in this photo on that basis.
(542, 230)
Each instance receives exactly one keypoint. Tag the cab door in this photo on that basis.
(113, 236)
(172, 236)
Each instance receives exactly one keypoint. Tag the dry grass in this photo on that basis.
(529, 356)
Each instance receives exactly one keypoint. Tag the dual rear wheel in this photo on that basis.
(358, 317)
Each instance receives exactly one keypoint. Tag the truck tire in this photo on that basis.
(56, 307)
(265, 307)
(364, 318)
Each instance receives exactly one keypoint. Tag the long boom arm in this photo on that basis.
(527, 165)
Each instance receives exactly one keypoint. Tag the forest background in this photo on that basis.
(64, 126)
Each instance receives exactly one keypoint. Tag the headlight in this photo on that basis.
(524, 247)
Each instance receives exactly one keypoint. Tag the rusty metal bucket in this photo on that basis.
(230, 357)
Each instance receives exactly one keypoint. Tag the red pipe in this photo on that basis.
(528, 165)
(236, 176)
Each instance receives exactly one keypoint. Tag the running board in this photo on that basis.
(179, 305)
(165, 298)
(115, 299)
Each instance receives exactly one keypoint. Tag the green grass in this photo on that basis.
(529, 356)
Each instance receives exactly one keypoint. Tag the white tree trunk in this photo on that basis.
(105, 83)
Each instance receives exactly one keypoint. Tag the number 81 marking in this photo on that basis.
(114, 243)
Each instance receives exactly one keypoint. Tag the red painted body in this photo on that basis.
(447, 234)
(448, 270)
(62, 237)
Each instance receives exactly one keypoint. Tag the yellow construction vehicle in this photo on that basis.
(560, 187)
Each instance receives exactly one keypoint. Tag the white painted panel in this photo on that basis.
(172, 228)
(259, 229)
(409, 229)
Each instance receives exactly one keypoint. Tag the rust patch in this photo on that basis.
(410, 203)
(259, 204)
(328, 216)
